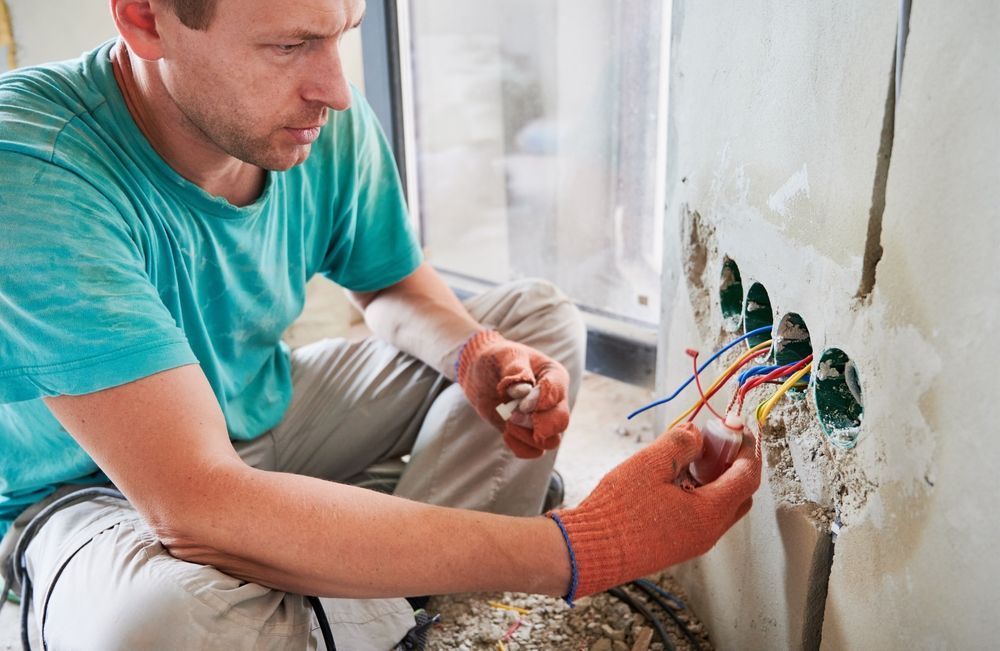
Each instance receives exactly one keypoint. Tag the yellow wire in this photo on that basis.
(516, 609)
(743, 358)
(764, 408)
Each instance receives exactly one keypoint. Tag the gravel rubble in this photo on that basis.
(478, 622)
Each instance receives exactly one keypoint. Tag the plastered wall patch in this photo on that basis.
(795, 187)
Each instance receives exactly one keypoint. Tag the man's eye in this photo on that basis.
(288, 48)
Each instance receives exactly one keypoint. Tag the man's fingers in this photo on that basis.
(515, 438)
(530, 400)
(520, 390)
(740, 480)
(514, 369)
(521, 419)
(550, 443)
(550, 423)
(553, 383)
(682, 444)
(743, 510)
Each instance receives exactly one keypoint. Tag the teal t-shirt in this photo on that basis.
(114, 267)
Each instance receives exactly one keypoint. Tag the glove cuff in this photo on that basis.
(599, 558)
(574, 580)
(471, 350)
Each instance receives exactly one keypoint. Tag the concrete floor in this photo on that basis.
(598, 438)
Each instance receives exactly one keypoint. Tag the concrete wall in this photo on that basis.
(780, 144)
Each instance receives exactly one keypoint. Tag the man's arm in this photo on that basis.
(420, 315)
(164, 443)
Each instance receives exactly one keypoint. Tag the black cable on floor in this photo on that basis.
(324, 624)
(653, 594)
(669, 596)
(637, 606)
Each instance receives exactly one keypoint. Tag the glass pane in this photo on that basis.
(537, 147)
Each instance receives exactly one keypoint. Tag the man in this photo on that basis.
(165, 199)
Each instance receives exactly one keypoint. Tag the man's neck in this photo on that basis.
(179, 142)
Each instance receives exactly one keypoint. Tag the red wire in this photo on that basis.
(722, 383)
(697, 381)
(725, 378)
(513, 629)
(788, 369)
(776, 373)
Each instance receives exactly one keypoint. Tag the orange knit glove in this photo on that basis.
(490, 367)
(638, 521)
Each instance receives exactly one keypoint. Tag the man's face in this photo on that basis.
(258, 82)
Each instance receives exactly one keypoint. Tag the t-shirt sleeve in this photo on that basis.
(373, 244)
(78, 312)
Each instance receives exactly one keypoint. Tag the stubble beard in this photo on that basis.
(228, 135)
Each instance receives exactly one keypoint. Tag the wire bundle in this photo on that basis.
(788, 375)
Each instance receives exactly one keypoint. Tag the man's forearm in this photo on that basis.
(421, 316)
(310, 536)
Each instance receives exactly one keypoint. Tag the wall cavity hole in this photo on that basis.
(731, 295)
(837, 393)
(757, 313)
(791, 340)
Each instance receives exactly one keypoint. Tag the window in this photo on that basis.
(533, 146)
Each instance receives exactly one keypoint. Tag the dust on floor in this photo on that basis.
(522, 622)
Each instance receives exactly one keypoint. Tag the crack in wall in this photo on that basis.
(812, 629)
(873, 241)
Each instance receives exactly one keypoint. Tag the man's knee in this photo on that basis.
(151, 600)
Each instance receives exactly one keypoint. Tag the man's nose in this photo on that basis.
(327, 83)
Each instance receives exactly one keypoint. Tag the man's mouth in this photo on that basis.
(304, 135)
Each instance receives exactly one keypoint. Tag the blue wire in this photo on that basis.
(755, 370)
(701, 368)
(764, 370)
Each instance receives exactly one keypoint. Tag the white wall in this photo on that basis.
(921, 569)
(775, 130)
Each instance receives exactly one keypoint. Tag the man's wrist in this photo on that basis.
(450, 361)
(470, 348)
(574, 578)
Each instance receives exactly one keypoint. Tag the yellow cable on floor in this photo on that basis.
(764, 408)
(722, 378)
(516, 609)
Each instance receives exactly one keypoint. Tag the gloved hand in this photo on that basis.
(492, 370)
(638, 521)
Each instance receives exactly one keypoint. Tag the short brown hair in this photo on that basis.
(196, 14)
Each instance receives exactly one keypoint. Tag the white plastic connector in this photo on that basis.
(506, 409)
(734, 421)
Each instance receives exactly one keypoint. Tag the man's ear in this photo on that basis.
(136, 22)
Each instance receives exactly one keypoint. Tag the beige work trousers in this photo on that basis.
(103, 581)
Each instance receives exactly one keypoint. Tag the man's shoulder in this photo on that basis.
(37, 103)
